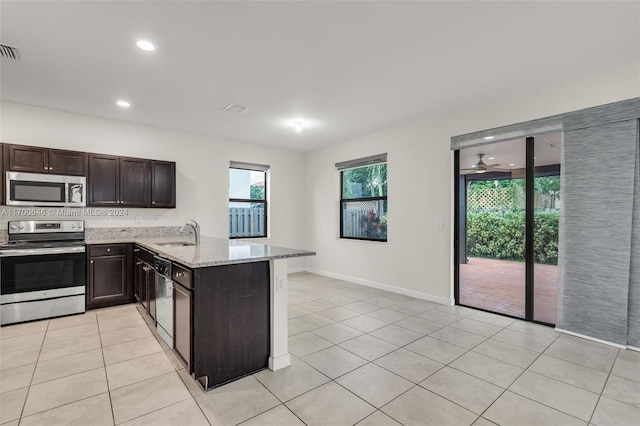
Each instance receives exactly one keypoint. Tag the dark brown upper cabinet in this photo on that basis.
(134, 183)
(118, 181)
(112, 180)
(20, 158)
(163, 184)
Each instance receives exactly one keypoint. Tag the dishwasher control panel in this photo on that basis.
(162, 266)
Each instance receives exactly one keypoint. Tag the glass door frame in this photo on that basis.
(529, 232)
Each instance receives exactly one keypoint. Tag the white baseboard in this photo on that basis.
(380, 286)
(296, 269)
(633, 348)
(280, 362)
(593, 339)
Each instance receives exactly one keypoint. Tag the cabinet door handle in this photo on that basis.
(46, 168)
(153, 202)
(108, 249)
(179, 274)
(138, 263)
(91, 261)
(135, 250)
(50, 168)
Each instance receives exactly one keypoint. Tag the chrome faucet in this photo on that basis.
(196, 229)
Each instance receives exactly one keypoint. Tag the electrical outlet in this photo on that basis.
(137, 219)
(107, 219)
(280, 283)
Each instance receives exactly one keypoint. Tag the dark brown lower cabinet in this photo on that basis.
(144, 281)
(109, 273)
(231, 322)
(137, 280)
(182, 323)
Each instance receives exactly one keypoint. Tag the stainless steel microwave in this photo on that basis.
(34, 189)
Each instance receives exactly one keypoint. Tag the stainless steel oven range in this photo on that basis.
(42, 270)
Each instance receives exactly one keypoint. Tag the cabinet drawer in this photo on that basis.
(181, 275)
(107, 249)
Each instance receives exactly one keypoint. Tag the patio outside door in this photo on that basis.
(507, 211)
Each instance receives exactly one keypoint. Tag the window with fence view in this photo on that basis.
(247, 202)
(363, 204)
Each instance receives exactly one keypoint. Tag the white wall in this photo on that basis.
(417, 259)
(202, 169)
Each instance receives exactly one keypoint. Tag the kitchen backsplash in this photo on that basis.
(123, 232)
(134, 232)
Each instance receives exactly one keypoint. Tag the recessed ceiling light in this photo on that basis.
(123, 104)
(512, 164)
(300, 124)
(488, 138)
(492, 158)
(146, 45)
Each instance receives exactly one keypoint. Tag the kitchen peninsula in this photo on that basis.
(234, 304)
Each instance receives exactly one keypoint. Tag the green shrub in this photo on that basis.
(500, 235)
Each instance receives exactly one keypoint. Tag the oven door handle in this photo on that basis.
(41, 251)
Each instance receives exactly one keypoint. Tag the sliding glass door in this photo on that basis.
(547, 204)
(492, 265)
(507, 210)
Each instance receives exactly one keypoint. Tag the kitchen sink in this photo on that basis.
(176, 244)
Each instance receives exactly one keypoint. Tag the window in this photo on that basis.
(247, 200)
(363, 199)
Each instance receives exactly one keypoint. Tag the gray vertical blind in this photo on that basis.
(598, 191)
(633, 332)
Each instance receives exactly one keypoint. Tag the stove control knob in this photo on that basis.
(14, 226)
(21, 226)
(73, 226)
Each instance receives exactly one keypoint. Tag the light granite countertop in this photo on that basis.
(210, 251)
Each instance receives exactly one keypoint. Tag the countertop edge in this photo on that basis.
(204, 264)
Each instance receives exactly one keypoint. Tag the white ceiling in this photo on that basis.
(511, 155)
(349, 68)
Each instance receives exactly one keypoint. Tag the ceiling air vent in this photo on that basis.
(11, 52)
(238, 109)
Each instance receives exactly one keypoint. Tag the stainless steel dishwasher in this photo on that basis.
(164, 299)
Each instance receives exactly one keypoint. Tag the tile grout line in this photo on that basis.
(283, 403)
(507, 389)
(104, 366)
(595, 407)
(175, 370)
(449, 364)
(69, 375)
(35, 367)
(412, 383)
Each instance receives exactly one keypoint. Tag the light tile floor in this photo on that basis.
(360, 356)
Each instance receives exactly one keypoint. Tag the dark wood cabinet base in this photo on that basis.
(231, 322)
(109, 275)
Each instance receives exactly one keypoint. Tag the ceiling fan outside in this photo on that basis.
(482, 167)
